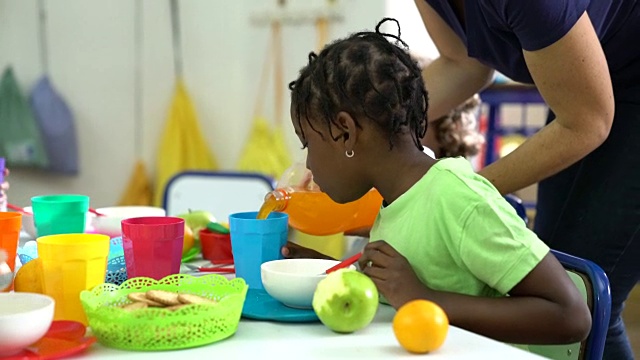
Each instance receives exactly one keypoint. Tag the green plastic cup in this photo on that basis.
(59, 214)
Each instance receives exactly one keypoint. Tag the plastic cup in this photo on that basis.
(60, 214)
(10, 224)
(152, 246)
(72, 263)
(254, 242)
(216, 247)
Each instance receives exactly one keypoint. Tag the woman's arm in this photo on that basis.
(544, 308)
(573, 78)
(453, 77)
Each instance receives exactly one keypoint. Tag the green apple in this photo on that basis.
(197, 220)
(346, 300)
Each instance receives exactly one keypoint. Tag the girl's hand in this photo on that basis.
(391, 272)
(295, 251)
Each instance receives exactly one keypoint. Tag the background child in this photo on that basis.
(443, 233)
(4, 186)
(457, 132)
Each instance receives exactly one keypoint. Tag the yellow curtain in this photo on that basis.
(182, 146)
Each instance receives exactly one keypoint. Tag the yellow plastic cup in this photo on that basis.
(72, 263)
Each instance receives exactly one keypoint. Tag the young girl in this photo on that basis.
(443, 233)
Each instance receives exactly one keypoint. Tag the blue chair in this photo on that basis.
(220, 193)
(519, 206)
(593, 283)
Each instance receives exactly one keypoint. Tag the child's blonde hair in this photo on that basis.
(457, 132)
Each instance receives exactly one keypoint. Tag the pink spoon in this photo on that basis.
(344, 263)
(18, 209)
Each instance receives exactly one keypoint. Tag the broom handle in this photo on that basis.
(322, 33)
(322, 29)
(42, 29)
(278, 81)
(137, 80)
(264, 78)
(175, 32)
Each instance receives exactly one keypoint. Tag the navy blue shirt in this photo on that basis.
(496, 32)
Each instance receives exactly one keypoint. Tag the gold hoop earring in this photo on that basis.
(349, 154)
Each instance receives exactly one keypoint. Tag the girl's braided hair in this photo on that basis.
(368, 77)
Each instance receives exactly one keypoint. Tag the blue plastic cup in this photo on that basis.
(254, 242)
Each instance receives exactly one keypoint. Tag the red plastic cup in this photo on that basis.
(216, 247)
(152, 246)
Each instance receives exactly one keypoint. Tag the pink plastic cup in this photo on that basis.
(152, 246)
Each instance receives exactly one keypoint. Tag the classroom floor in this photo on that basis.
(631, 317)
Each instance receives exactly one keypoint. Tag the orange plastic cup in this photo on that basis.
(10, 224)
(72, 263)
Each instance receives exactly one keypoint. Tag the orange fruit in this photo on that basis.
(189, 240)
(29, 278)
(420, 326)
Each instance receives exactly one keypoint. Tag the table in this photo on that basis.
(314, 341)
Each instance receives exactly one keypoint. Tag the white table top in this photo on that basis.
(315, 341)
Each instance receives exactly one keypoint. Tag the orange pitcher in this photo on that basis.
(312, 211)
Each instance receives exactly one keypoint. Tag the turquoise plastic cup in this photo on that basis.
(59, 214)
(254, 242)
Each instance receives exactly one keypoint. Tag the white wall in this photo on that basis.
(412, 27)
(92, 64)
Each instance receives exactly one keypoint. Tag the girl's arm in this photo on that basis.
(536, 311)
(544, 308)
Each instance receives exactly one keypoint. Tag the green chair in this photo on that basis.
(593, 283)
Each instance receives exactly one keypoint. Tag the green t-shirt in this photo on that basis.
(458, 233)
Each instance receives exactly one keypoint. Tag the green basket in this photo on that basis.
(162, 329)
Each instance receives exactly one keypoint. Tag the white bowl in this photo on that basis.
(29, 226)
(24, 319)
(110, 224)
(293, 281)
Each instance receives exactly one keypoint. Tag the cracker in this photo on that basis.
(135, 306)
(195, 299)
(163, 297)
(142, 297)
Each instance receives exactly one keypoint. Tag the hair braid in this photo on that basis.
(367, 76)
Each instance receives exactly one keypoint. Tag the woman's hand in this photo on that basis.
(391, 272)
(295, 251)
(362, 232)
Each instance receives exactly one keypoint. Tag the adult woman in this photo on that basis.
(579, 55)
